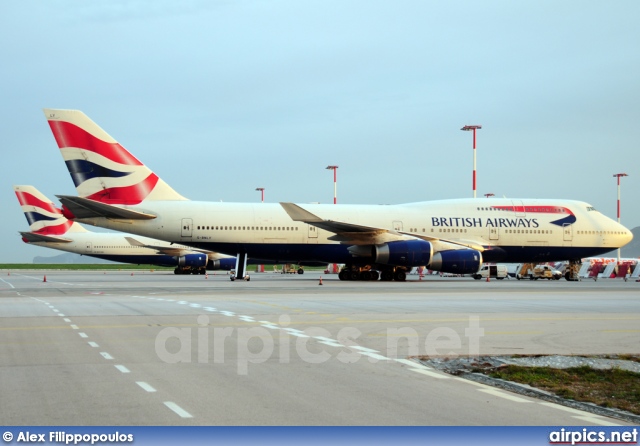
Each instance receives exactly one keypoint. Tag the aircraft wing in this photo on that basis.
(86, 208)
(168, 250)
(33, 237)
(349, 233)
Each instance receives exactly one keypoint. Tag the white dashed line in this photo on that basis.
(228, 313)
(177, 409)
(122, 368)
(145, 386)
(411, 363)
(504, 395)
(75, 327)
(106, 355)
(431, 374)
(56, 311)
(195, 305)
(594, 420)
(246, 318)
(93, 344)
(83, 335)
(60, 314)
(66, 319)
(209, 308)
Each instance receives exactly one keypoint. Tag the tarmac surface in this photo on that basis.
(153, 348)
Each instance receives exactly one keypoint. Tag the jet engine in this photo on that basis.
(456, 261)
(408, 253)
(193, 260)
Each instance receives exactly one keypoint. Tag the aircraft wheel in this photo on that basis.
(375, 275)
(343, 275)
(400, 275)
(300, 271)
(386, 276)
(354, 275)
(366, 275)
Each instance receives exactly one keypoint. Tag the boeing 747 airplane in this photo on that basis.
(117, 191)
(49, 228)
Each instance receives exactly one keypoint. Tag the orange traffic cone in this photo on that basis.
(320, 283)
(206, 276)
(45, 278)
(488, 279)
(132, 274)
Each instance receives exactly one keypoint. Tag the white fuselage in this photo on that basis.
(510, 230)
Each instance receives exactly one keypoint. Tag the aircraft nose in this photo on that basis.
(627, 237)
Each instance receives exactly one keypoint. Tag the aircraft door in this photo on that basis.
(187, 227)
(567, 232)
(313, 232)
(89, 247)
(518, 207)
(494, 233)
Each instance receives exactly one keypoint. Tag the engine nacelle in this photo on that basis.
(457, 261)
(225, 264)
(193, 260)
(408, 253)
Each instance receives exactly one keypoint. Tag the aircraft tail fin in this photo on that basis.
(43, 216)
(103, 170)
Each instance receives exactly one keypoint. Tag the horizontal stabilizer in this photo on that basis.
(33, 237)
(85, 208)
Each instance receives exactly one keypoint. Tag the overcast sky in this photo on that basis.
(221, 97)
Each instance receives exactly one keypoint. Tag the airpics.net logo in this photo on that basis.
(588, 436)
(313, 345)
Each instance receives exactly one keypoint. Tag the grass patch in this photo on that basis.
(614, 388)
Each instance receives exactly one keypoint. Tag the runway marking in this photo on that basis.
(106, 355)
(209, 308)
(246, 318)
(364, 349)
(122, 368)
(7, 283)
(431, 374)
(177, 409)
(413, 364)
(74, 326)
(145, 386)
(66, 319)
(501, 394)
(195, 305)
(93, 344)
(270, 325)
(228, 313)
(594, 420)
(83, 335)
(375, 356)
(296, 332)
(60, 314)
(182, 302)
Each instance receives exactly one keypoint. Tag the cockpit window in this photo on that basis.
(591, 208)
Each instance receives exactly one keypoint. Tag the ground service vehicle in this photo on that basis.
(495, 271)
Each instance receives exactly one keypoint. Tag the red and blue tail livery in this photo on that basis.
(102, 170)
(43, 217)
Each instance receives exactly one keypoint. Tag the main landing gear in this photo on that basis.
(349, 272)
(573, 270)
